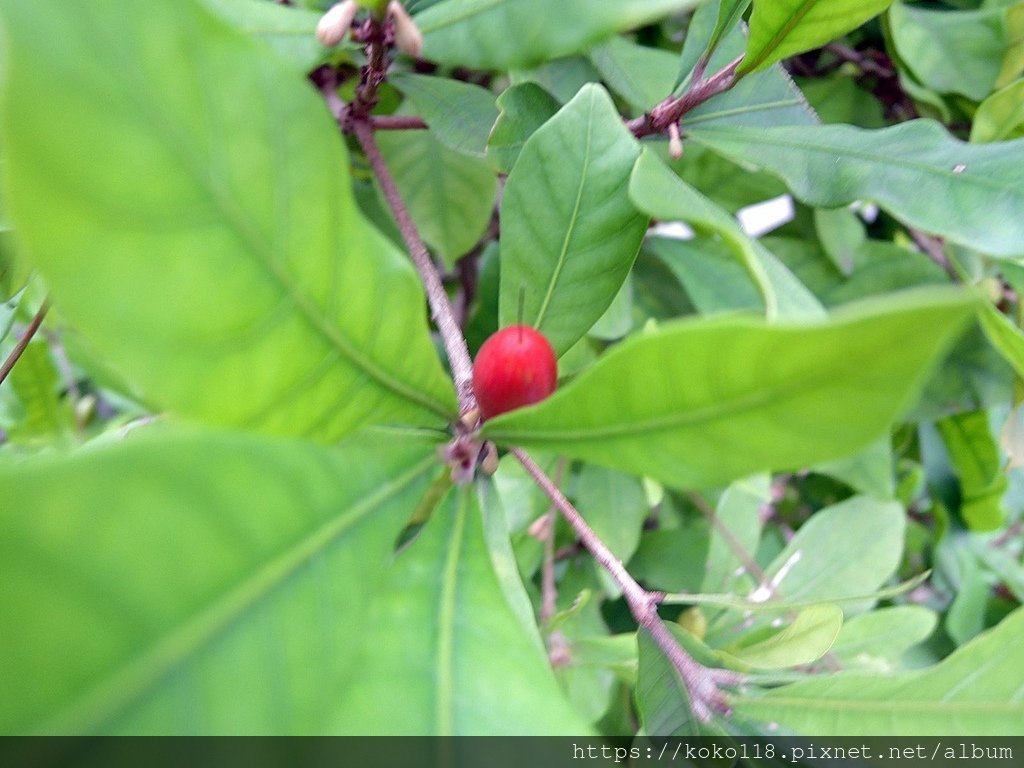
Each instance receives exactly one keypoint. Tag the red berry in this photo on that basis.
(514, 367)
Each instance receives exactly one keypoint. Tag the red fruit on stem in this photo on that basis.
(514, 367)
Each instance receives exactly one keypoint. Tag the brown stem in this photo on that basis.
(374, 33)
(548, 586)
(700, 682)
(397, 123)
(26, 337)
(672, 109)
(749, 565)
(440, 307)
(933, 249)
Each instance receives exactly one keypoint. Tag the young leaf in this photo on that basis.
(700, 403)
(979, 690)
(781, 28)
(805, 640)
(497, 34)
(569, 233)
(444, 653)
(194, 582)
(192, 214)
(968, 193)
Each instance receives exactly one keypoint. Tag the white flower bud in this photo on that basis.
(335, 24)
(408, 37)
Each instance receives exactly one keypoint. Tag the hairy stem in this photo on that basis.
(701, 683)
(26, 337)
(440, 307)
(671, 109)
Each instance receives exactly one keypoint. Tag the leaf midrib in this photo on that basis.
(573, 220)
(446, 624)
(664, 422)
(826, 149)
(111, 695)
(264, 257)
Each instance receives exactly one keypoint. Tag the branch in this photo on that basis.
(672, 109)
(932, 248)
(440, 307)
(26, 337)
(397, 123)
(700, 682)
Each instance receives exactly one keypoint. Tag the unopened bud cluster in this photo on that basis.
(336, 23)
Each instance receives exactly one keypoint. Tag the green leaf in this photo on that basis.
(951, 51)
(569, 233)
(35, 383)
(563, 78)
(1004, 335)
(845, 550)
(729, 14)
(841, 234)
(839, 99)
(450, 195)
(965, 618)
(715, 280)
(643, 76)
(525, 107)
(979, 690)
(615, 506)
(803, 641)
(194, 582)
(444, 653)
(654, 189)
(290, 32)
(967, 193)
(234, 243)
(781, 28)
(1000, 116)
(880, 267)
(662, 699)
(498, 34)
(974, 455)
(700, 403)
(460, 115)
(735, 532)
(877, 639)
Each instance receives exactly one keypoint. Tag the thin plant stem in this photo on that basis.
(700, 682)
(23, 342)
(548, 586)
(440, 307)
